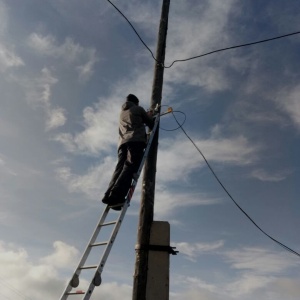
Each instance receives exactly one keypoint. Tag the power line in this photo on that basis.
(227, 192)
(234, 47)
(180, 125)
(176, 128)
(205, 54)
(133, 30)
(5, 297)
(12, 288)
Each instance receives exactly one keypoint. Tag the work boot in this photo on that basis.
(105, 199)
(114, 200)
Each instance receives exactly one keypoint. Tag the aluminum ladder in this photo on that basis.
(96, 281)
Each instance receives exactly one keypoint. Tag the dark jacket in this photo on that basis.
(132, 120)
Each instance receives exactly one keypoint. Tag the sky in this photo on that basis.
(66, 68)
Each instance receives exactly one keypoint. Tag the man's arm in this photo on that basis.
(147, 118)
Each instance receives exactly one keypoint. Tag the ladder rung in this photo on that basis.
(76, 293)
(88, 267)
(98, 244)
(108, 223)
(116, 205)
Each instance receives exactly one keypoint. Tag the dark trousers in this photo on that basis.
(129, 158)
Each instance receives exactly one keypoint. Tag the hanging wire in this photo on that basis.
(182, 123)
(234, 47)
(12, 288)
(205, 54)
(134, 30)
(231, 197)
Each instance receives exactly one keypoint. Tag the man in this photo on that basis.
(132, 142)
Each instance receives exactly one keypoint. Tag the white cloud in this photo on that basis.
(92, 183)
(3, 18)
(146, 15)
(192, 251)
(289, 101)
(101, 120)
(21, 278)
(167, 201)
(137, 83)
(86, 70)
(64, 255)
(259, 261)
(195, 288)
(100, 123)
(113, 291)
(56, 118)
(258, 276)
(287, 288)
(235, 150)
(10, 168)
(69, 51)
(42, 44)
(178, 158)
(204, 30)
(39, 90)
(100, 129)
(38, 94)
(66, 139)
(8, 58)
(270, 176)
(5, 169)
(247, 284)
(47, 45)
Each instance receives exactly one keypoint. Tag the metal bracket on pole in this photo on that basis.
(160, 248)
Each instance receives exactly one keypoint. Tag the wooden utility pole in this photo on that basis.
(148, 189)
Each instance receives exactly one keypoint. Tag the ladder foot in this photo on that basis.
(97, 279)
(74, 281)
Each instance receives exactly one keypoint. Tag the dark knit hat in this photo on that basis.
(132, 98)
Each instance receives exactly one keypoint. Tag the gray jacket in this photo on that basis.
(132, 120)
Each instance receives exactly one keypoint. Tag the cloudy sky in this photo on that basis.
(65, 70)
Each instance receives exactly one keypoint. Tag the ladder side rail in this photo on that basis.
(127, 203)
(107, 250)
(85, 254)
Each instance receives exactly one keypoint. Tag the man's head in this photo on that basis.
(132, 98)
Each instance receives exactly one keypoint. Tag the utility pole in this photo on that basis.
(148, 188)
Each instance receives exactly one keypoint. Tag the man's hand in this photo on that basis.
(150, 113)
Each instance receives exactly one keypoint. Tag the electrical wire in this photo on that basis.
(230, 196)
(182, 123)
(205, 54)
(12, 288)
(234, 47)
(5, 297)
(133, 30)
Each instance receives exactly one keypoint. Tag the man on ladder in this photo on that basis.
(132, 153)
(132, 142)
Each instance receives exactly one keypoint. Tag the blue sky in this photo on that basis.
(65, 70)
